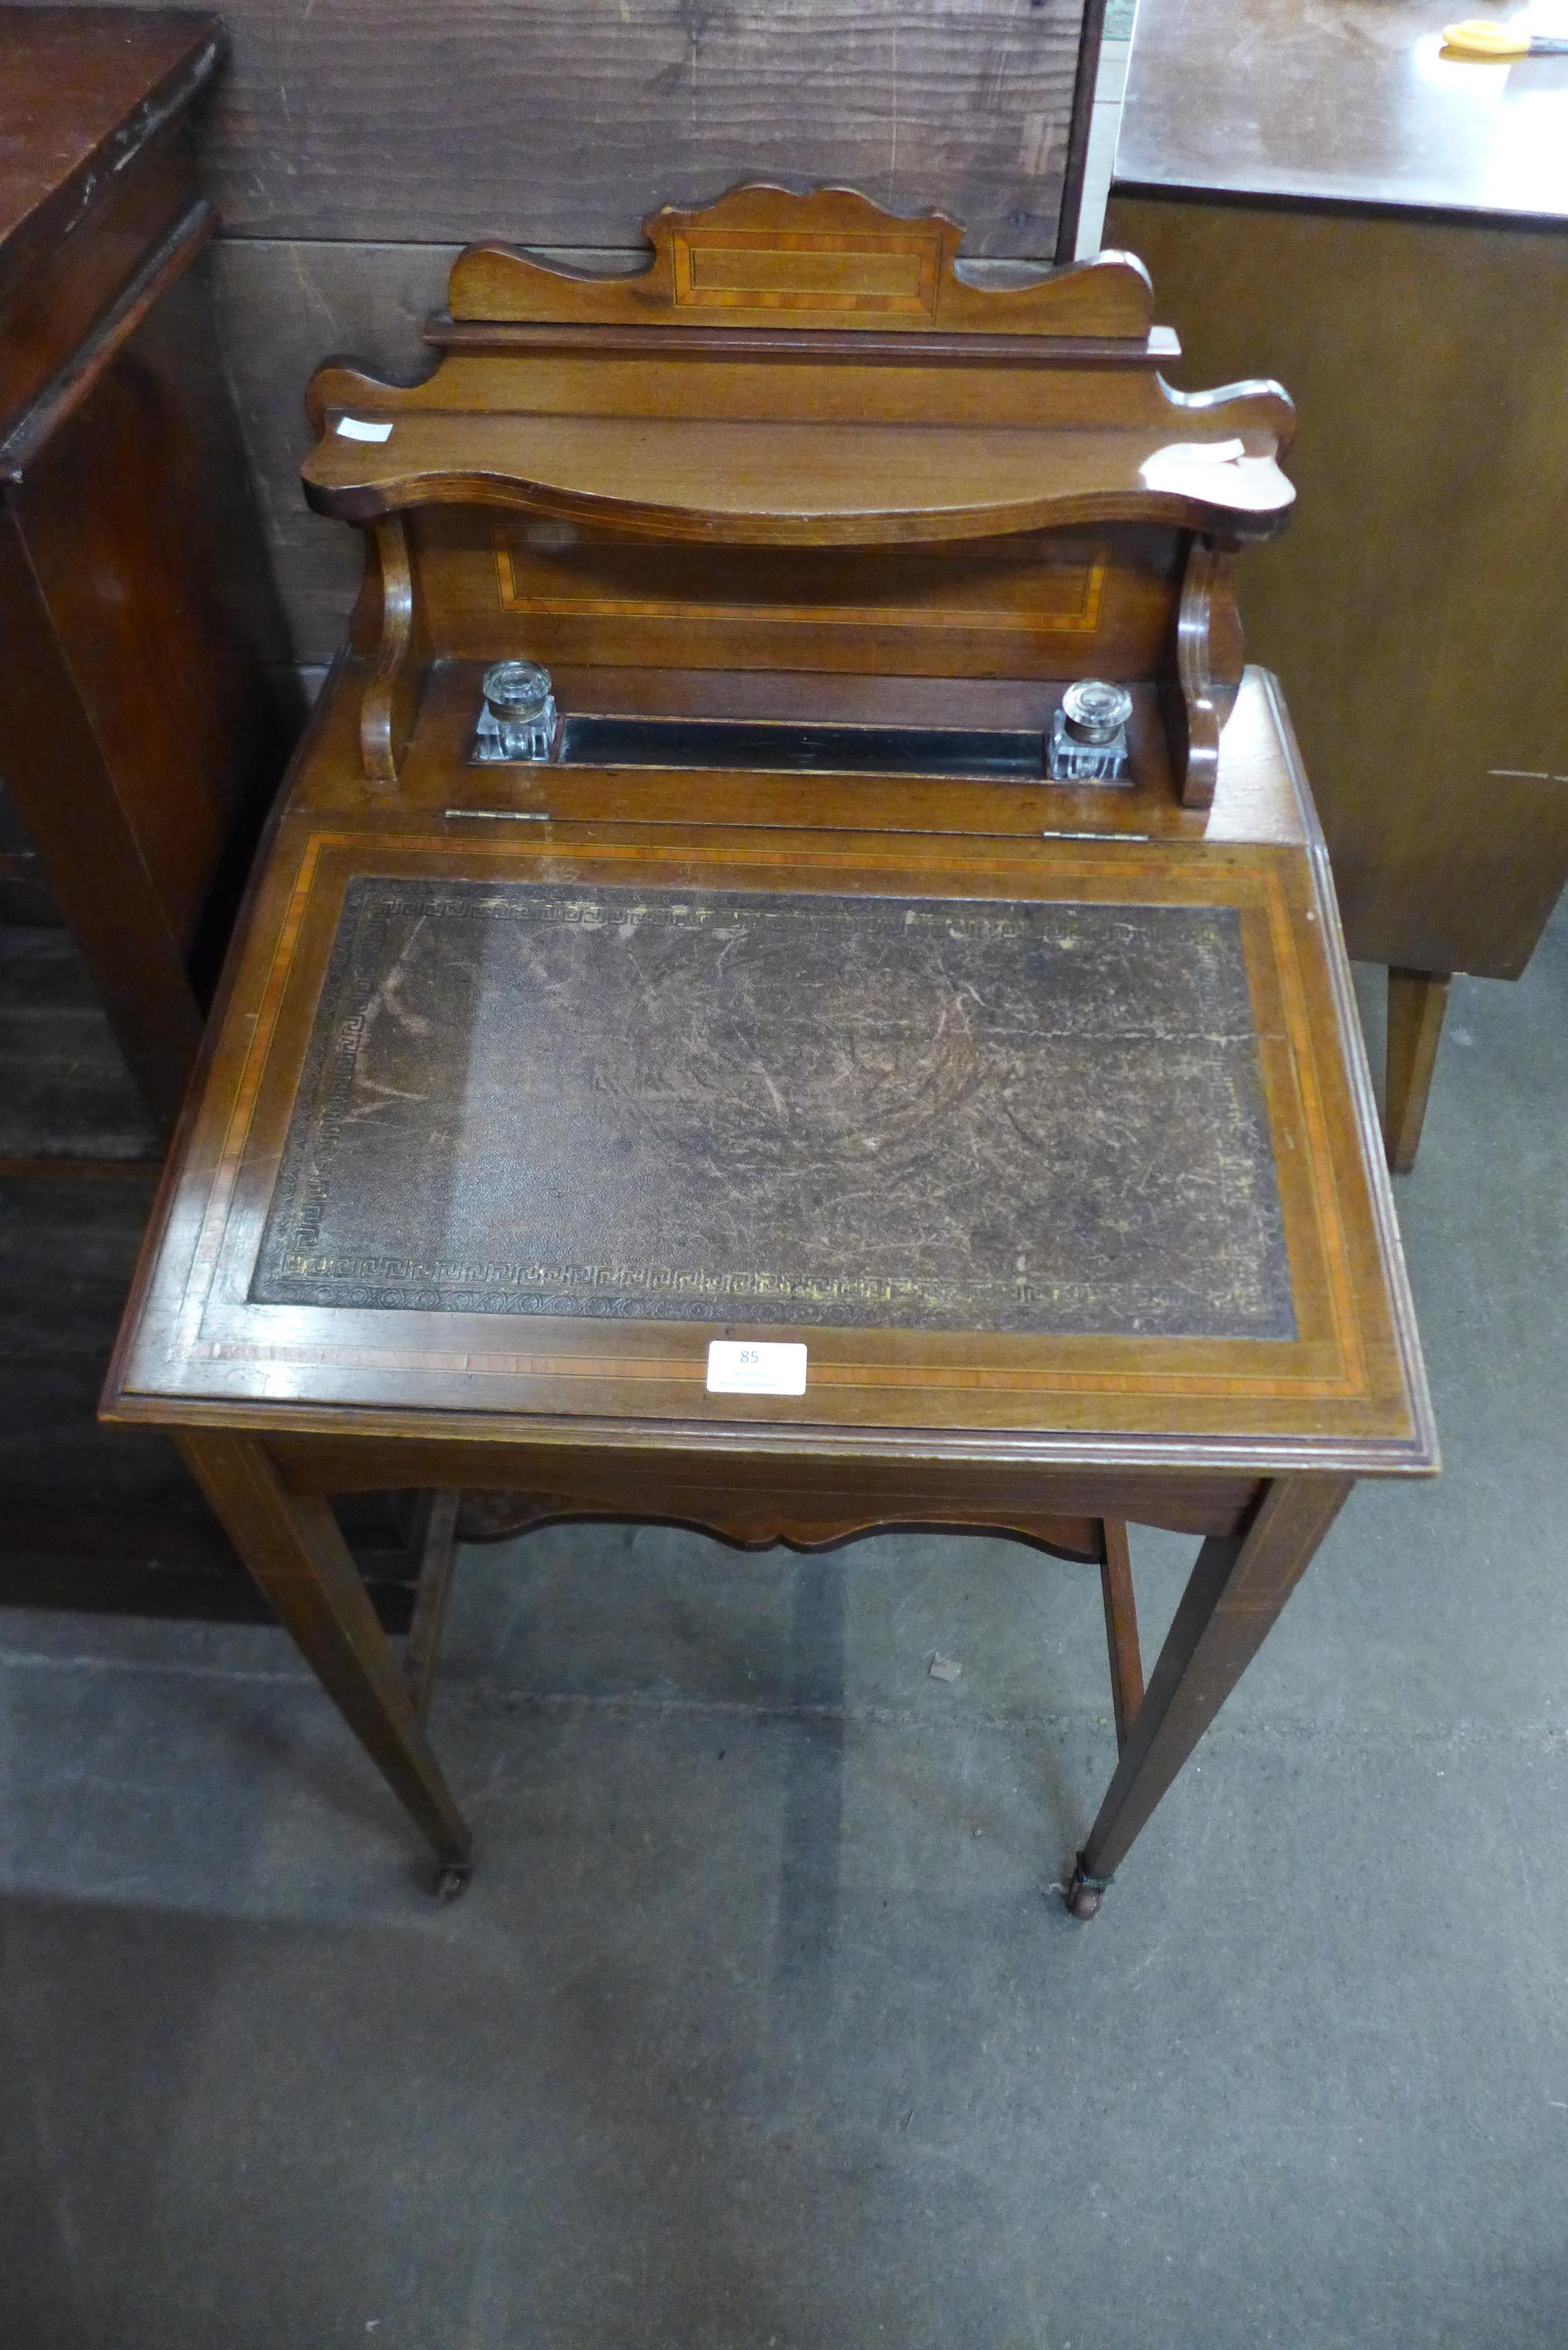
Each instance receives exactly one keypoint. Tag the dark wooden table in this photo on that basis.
(1029, 1114)
(1326, 196)
(139, 743)
(139, 732)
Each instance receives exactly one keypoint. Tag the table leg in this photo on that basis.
(1237, 1588)
(1417, 1003)
(1121, 1625)
(438, 1559)
(292, 1546)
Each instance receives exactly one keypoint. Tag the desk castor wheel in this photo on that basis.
(452, 1879)
(1083, 1895)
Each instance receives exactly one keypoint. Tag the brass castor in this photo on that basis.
(1084, 1895)
(452, 1879)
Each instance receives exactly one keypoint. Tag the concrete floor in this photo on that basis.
(760, 2025)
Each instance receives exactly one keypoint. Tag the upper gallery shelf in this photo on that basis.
(783, 372)
(766, 481)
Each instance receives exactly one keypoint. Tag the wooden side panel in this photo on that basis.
(1414, 609)
(46, 315)
(150, 579)
(96, 872)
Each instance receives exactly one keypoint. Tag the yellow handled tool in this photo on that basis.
(1482, 36)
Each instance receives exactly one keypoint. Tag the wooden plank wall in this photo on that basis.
(354, 146)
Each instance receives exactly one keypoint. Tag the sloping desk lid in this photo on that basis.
(1028, 1143)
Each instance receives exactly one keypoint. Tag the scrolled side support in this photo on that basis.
(392, 696)
(1210, 653)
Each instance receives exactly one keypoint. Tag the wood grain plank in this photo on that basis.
(566, 123)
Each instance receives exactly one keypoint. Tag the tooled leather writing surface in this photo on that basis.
(882, 1112)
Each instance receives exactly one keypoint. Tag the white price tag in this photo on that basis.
(354, 428)
(755, 1366)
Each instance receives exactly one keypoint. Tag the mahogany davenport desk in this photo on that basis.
(751, 977)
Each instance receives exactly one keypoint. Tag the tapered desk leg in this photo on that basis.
(1237, 1588)
(292, 1546)
(1417, 1003)
(1121, 1625)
